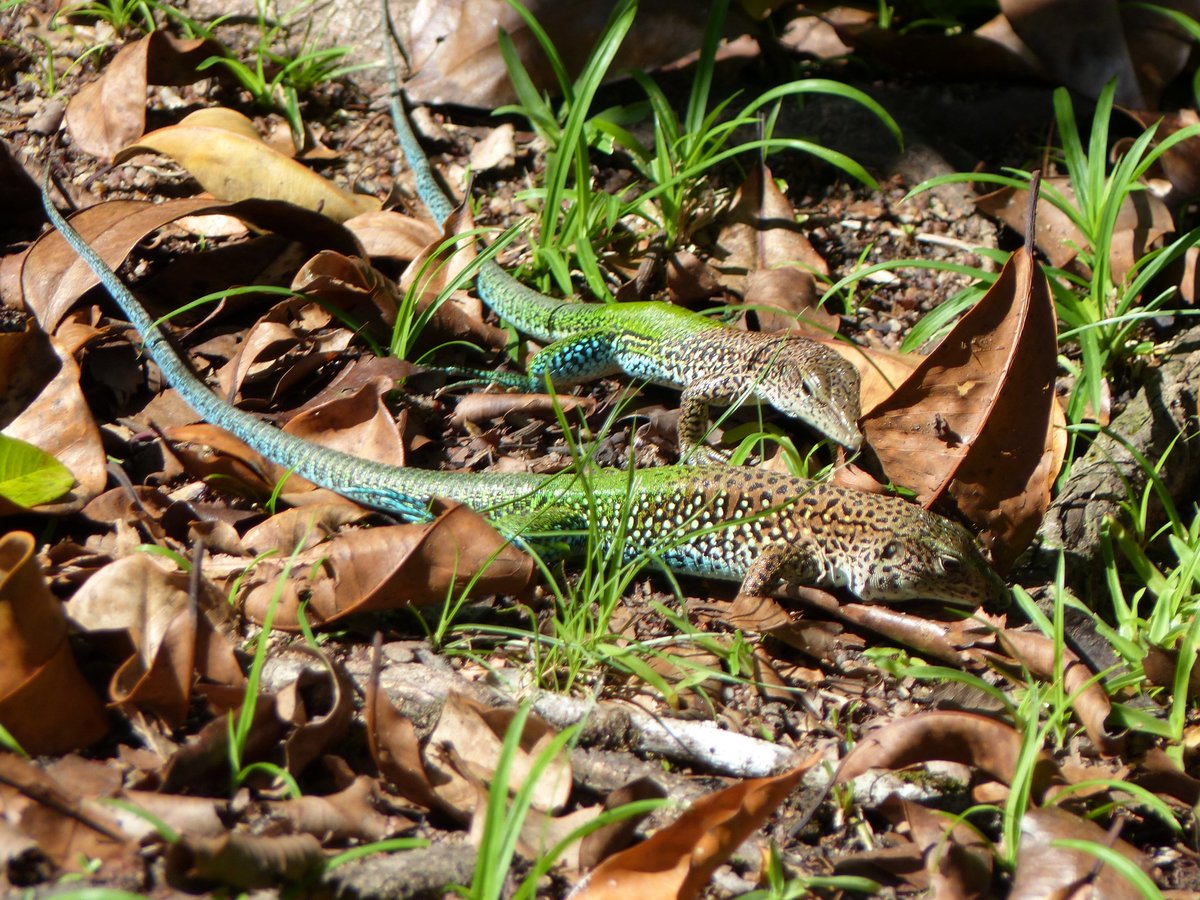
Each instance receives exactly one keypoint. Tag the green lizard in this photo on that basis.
(661, 343)
(739, 524)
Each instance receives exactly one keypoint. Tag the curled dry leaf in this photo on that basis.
(1044, 870)
(480, 407)
(388, 234)
(53, 277)
(231, 165)
(1036, 653)
(42, 403)
(319, 706)
(767, 258)
(45, 703)
(175, 637)
(975, 421)
(349, 815)
(677, 861)
(957, 858)
(67, 824)
(967, 738)
(109, 112)
(1180, 164)
(244, 862)
(453, 48)
(394, 745)
(390, 568)
(464, 749)
(1142, 221)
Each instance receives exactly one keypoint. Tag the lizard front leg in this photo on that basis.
(694, 418)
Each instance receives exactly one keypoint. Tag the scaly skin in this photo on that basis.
(663, 344)
(747, 525)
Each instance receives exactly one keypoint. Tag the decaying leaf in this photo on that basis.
(53, 277)
(966, 738)
(108, 113)
(42, 403)
(358, 571)
(464, 749)
(243, 862)
(45, 703)
(231, 165)
(975, 421)
(1046, 870)
(176, 638)
(455, 55)
(678, 861)
(767, 258)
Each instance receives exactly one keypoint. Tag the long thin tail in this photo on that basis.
(389, 488)
(528, 310)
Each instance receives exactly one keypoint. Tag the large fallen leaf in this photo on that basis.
(454, 51)
(389, 568)
(1046, 870)
(108, 113)
(243, 861)
(767, 258)
(464, 750)
(231, 165)
(967, 738)
(975, 421)
(42, 403)
(45, 703)
(53, 277)
(677, 862)
(175, 637)
(70, 827)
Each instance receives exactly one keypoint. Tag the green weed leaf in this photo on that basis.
(29, 476)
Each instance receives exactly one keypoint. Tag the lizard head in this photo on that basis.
(821, 389)
(939, 560)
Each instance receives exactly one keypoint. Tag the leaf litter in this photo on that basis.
(168, 651)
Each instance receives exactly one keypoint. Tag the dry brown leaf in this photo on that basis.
(67, 824)
(974, 422)
(1044, 870)
(42, 403)
(53, 276)
(880, 371)
(1142, 221)
(608, 839)
(966, 738)
(390, 568)
(453, 48)
(392, 740)
(464, 749)
(388, 234)
(108, 113)
(319, 706)
(690, 279)
(1180, 164)
(349, 815)
(480, 407)
(767, 259)
(677, 861)
(230, 165)
(1036, 653)
(173, 640)
(45, 703)
(244, 862)
(958, 859)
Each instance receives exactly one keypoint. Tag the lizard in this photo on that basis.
(747, 525)
(660, 343)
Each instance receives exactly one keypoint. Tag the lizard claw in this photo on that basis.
(704, 455)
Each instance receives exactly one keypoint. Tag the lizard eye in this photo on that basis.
(951, 564)
(891, 550)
